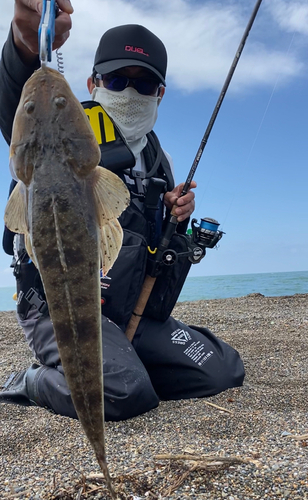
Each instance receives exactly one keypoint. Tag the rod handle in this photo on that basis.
(140, 307)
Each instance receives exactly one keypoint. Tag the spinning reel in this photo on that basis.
(198, 238)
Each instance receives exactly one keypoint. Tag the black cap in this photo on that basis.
(131, 45)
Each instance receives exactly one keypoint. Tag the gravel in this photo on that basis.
(256, 447)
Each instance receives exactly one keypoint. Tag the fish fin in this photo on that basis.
(111, 198)
(15, 216)
(111, 237)
(110, 193)
(16, 210)
(29, 249)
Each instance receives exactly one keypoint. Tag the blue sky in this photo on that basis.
(253, 175)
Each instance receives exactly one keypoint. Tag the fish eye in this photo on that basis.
(29, 106)
(60, 102)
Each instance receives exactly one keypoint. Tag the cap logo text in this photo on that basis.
(131, 48)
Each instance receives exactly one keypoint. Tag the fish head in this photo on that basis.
(50, 117)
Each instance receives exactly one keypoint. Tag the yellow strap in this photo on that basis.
(152, 251)
(109, 128)
(93, 115)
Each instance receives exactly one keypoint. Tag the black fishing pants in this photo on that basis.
(186, 361)
(127, 386)
(168, 360)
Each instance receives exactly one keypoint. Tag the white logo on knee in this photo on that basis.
(180, 337)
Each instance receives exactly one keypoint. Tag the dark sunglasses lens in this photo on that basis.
(146, 87)
(115, 82)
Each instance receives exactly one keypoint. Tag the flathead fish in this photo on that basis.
(67, 208)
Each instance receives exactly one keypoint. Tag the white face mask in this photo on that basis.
(133, 113)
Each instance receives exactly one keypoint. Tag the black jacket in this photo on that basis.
(13, 75)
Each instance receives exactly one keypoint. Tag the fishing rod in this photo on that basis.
(172, 223)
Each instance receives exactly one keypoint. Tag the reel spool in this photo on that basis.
(206, 234)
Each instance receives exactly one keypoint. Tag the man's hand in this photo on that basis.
(185, 204)
(25, 24)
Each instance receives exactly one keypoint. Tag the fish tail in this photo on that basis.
(104, 468)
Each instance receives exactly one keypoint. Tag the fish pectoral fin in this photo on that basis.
(15, 215)
(29, 249)
(111, 197)
(110, 194)
(111, 237)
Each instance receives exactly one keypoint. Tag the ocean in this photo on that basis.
(219, 287)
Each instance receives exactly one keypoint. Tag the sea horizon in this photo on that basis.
(218, 287)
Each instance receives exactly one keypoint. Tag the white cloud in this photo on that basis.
(201, 39)
(290, 15)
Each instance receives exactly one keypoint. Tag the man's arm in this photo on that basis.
(20, 54)
(13, 74)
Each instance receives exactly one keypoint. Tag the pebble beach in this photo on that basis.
(245, 443)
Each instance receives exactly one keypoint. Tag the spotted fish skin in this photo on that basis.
(67, 207)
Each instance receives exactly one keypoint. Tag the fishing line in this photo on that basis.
(245, 165)
(259, 128)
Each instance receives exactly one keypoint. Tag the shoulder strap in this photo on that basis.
(152, 152)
